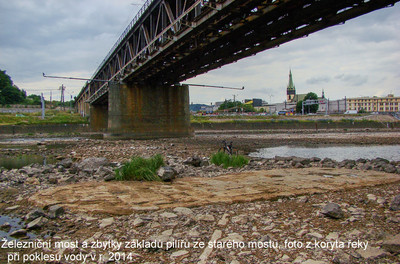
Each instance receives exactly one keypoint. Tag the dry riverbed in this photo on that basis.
(280, 210)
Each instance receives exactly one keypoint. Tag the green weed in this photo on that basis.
(140, 169)
(222, 158)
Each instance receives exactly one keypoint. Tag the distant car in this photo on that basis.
(350, 112)
(282, 113)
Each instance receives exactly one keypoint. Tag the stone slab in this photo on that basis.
(120, 198)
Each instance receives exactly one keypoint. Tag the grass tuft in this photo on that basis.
(222, 158)
(140, 169)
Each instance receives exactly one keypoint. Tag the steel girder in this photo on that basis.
(173, 40)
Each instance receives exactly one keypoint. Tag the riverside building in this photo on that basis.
(388, 104)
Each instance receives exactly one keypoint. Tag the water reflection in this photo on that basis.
(337, 153)
(17, 162)
(14, 223)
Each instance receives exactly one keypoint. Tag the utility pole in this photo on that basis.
(43, 106)
(234, 101)
(62, 88)
(51, 102)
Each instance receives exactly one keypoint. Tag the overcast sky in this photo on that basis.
(71, 38)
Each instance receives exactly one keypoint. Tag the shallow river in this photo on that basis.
(337, 153)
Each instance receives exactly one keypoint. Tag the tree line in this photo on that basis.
(11, 94)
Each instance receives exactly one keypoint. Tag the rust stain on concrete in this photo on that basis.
(121, 198)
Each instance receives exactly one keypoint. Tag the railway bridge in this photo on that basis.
(136, 92)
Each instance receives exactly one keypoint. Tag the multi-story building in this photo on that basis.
(389, 103)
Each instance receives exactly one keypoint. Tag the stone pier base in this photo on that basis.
(144, 111)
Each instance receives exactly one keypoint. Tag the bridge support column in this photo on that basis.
(99, 117)
(148, 111)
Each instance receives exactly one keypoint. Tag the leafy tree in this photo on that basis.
(9, 93)
(228, 104)
(248, 108)
(299, 106)
(33, 99)
(310, 108)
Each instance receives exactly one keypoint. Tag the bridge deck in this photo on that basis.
(174, 40)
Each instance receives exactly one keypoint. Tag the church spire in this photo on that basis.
(290, 85)
(291, 89)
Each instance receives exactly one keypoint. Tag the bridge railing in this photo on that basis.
(123, 35)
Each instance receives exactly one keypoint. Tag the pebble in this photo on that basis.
(168, 215)
(106, 222)
(179, 253)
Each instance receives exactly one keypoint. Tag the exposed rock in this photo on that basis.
(11, 208)
(32, 181)
(91, 164)
(341, 258)
(206, 218)
(315, 235)
(109, 177)
(194, 161)
(179, 253)
(392, 244)
(371, 197)
(332, 236)
(55, 211)
(183, 210)
(233, 237)
(168, 215)
(311, 261)
(160, 241)
(32, 215)
(166, 173)
(106, 222)
(71, 179)
(66, 163)
(224, 220)
(30, 171)
(371, 253)
(138, 222)
(53, 180)
(19, 233)
(37, 223)
(395, 204)
(348, 164)
(6, 226)
(333, 210)
(104, 172)
(389, 168)
(240, 219)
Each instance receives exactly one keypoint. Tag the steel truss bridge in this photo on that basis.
(170, 41)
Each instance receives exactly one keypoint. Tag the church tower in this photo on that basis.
(291, 89)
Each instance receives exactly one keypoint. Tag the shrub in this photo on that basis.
(222, 158)
(140, 169)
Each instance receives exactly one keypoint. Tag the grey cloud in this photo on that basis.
(353, 79)
(318, 80)
(74, 36)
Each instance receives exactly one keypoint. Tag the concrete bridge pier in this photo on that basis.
(147, 111)
(99, 117)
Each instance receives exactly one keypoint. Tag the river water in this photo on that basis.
(337, 153)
